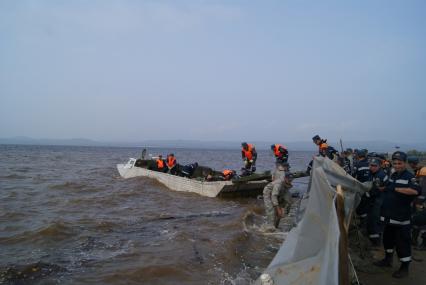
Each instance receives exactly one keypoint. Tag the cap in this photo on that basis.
(316, 137)
(349, 150)
(413, 159)
(374, 161)
(244, 144)
(399, 155)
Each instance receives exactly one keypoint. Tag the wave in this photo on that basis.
(68, 185)
(14, 176)
(55, 232)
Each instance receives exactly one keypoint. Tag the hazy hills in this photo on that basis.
(298, 145)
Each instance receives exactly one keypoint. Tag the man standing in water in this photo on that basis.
(272, 191)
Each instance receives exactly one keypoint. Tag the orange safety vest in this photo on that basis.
(249, 152)
(385, 163)
(171, 161)
(227, 172)
(417, 174)
(277, 149)
(323, 146)
(160, 163)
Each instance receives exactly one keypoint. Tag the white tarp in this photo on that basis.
(310, 253)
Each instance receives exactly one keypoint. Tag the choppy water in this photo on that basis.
(67, 217)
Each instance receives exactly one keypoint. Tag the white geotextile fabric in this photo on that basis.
(310, 253)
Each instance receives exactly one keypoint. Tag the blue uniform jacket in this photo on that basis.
(396, 208)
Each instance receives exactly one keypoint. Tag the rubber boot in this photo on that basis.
(385, 262)
(402, 271)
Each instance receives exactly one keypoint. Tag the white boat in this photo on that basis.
(203, 188)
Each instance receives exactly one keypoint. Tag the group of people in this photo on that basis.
(393, 210)
(248, 155)
(168, 165)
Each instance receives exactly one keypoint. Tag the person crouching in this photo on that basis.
(271, 194)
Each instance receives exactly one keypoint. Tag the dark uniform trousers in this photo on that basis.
(398, 237)
(374, 226)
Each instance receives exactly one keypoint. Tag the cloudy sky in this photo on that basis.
(213, 70)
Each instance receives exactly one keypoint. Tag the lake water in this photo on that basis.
(66, 216)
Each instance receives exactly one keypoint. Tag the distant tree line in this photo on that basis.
(419, 154)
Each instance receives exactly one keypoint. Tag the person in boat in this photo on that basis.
(375, 200)
(161, 164)
(280, 153)
(249, 156)
(396, 214)
(228, 174)
(171, 164)
(188, 170)
(278, 187)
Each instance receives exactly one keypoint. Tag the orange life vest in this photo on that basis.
(249, 152)
(323, 146)
(160, 163)
(171, 161)
(227, 172)
(277, 149)
(418, 171)
(385, 163)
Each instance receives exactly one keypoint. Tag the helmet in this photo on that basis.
(413, 159)
(399, 155)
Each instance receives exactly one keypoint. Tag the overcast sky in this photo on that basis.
(213, 70)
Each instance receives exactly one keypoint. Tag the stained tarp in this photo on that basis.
(310, 253)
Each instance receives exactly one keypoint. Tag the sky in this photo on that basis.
(213, 70)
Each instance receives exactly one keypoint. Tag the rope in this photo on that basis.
(353, 269)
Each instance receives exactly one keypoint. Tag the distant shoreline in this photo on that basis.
(377, 146)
